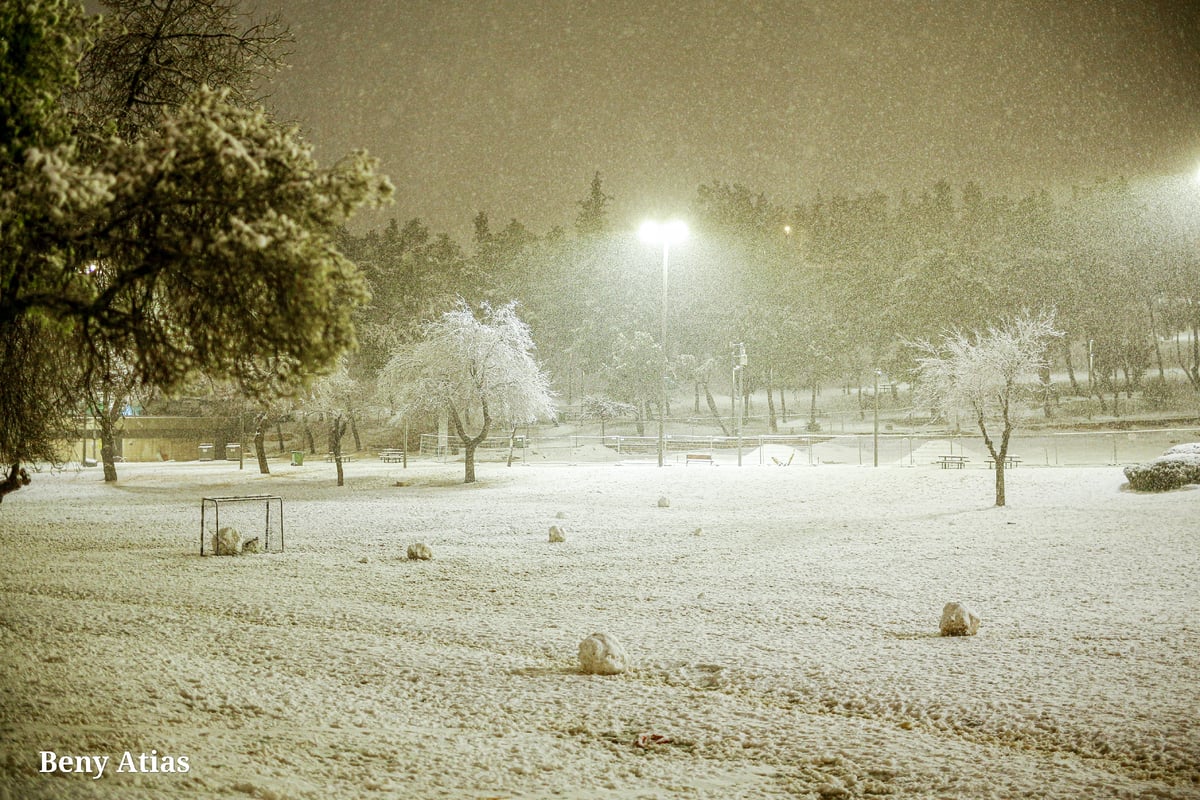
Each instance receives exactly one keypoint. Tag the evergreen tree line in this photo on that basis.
(821, 293)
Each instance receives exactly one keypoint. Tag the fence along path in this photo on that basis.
(1034, 448)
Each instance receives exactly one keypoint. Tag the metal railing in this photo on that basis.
(1034, 448)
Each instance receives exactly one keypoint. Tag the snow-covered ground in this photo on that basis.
(788, 648)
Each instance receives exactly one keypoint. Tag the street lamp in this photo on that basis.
(876, 425)
(666, 234)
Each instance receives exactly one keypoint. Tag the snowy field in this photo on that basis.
(788, 648)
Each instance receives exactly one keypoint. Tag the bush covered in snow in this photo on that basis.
(419, 552)
(1178, 467)
(557, 534)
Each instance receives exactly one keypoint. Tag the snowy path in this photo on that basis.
(788, 650)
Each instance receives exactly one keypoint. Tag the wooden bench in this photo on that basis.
(329, 458)
(952, 462)
(1010, 462)
(391, 455)
(699, 458)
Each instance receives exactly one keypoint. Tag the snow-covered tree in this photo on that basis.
(203, 245)
(337, 397)
(981, 373)
(477, 368)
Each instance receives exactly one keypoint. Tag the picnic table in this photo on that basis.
(952, 462)
(391, 455)
(1009, 461)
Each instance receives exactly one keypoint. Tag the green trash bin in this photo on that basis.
(297, 458)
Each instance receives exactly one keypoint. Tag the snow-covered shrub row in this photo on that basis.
(1178, 467)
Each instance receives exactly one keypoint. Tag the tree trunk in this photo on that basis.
(812, 409)
(772, 421)
(782, 405)
(279, 434)
(469, 460)
(354, 433)
(639, 420)
(512, 444)
(15, 479)
(308, 436)
(108, 453)
(108, 443)
(712, 409)
(337, 429)
(696, 405)
(1162, 372)
(1044, 375)
(1075, 390)
(469, 442)
(260, 447)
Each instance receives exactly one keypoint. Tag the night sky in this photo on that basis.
(509, 107)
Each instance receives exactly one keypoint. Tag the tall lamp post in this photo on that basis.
(876, 426)
(665, 234)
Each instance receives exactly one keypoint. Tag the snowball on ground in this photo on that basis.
(602, 654)
(227, 542)
(958, 620)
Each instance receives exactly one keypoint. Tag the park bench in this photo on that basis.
(329, 457)
(952, 462)
(1009, 462)
(699, 458)
(391, 455)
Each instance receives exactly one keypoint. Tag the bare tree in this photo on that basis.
(981, 373)
(477, 369)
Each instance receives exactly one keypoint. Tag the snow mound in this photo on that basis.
(419, 552)
(958, 620)
(663, 502)
(601, 654)
(557, 534)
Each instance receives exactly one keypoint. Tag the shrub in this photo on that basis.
(1168, 472)
(1159, 393)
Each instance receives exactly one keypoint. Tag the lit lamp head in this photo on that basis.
(664, 233)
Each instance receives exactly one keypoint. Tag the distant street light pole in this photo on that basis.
(666, 234)
(876, 436)
(739, 363)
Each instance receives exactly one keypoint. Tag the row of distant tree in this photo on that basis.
(821, 293)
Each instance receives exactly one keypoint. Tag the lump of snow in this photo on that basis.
(561, 515)
(958, 620)
(698, 532)
(227, 542)
(419, 552)
(601, 654)
(557, 534)
(663, 502)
